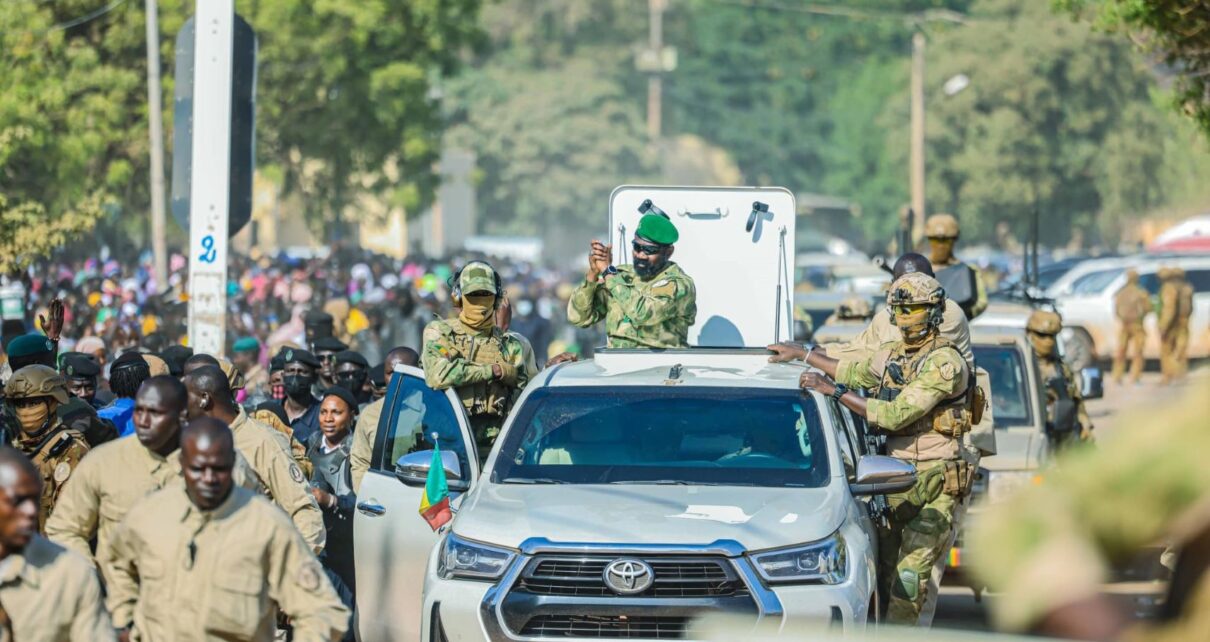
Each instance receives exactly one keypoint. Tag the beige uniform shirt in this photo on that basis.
(182, 574)
(262, 447)
(96, 499)
(364, 434)
(881, 331)
(52, 594)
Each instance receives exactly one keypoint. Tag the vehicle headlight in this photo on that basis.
(467, 560)
(822, 562)
(1004, 484)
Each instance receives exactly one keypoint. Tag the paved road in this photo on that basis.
(957, 608)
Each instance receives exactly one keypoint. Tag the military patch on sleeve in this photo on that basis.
(296, 473)
(308, 576)
(663, 287)
(948, 371)
(62, 472)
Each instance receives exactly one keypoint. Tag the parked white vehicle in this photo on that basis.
(1087, 307)
(625, 496)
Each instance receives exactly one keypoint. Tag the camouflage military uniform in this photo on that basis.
(54, 449)
(457, 357)
(1176, 306)
(1067, 420)
(922, 401)
(1051, 545)
(1130, 305)
(652, 313)
(1184, 311)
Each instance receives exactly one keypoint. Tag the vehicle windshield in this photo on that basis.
(665, 435)
(1010, 397)
(1094, 282)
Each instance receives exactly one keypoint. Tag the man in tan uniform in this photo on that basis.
(96, 499)
(47, 593)
(1184, 312)
(33, 394)
(1130, 305)
(366, 430)
(1176, 306)
(209, 560)
(210, 396)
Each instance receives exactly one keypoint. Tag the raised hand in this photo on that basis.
(52, 324)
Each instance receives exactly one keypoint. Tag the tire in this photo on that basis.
(1078, 349)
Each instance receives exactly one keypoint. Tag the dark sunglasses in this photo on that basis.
(643, 248)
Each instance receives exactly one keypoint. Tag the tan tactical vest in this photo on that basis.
(935, 435)
(484, 397)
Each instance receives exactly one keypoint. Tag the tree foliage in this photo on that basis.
(1178, 31)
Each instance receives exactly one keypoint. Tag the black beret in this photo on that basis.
(345, 395)
(298, 355)
(78, 365)
(317, 318)
(176, 356)
(378, 375)
(329, 344)
(351, 356)
(278, 362)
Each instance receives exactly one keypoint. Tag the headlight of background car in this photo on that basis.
(463, 559)
(822, 562)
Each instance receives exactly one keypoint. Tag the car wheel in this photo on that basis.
(1078, 349)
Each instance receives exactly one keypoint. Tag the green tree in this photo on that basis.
(1177, 31)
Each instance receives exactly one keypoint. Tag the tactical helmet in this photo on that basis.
(1177, 273)
(941, 226)
(1044, 322)
(1132, 276)
(36, 381)
(917, 288)
(1163, 273)
(854, 307)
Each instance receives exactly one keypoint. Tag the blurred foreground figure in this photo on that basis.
(209, 560)
(1130, 305)
(1048, 548)
(47, 593)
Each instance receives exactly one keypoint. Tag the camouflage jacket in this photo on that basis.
(56, 455)
(655, 313)
(1131, 304)
(455, 356)
(1050, 368)
(1054, 541)
(915, 416)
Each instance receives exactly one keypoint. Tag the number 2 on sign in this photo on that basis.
(208, 251)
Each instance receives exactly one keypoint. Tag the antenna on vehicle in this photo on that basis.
(782, 277)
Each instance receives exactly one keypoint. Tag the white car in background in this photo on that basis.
(625, 496)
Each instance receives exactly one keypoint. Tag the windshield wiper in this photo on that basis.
(532, 480)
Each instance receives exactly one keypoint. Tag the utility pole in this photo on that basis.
(655, 88)
(155, 128)
(917, 135)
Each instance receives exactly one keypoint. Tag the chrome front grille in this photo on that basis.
(617, 626)
(674, 577)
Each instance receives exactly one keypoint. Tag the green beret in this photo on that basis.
(657, 229)
(246, 344)
(30, 345)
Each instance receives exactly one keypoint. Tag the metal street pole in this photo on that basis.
(917, 136)
(155, 128)
(209, 196)
(655, 87)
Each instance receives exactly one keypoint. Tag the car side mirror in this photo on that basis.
(412, 469)
(1092, 383)
(879, 475)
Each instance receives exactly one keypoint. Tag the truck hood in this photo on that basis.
(757, 518)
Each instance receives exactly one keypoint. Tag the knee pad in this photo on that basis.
(906, 585)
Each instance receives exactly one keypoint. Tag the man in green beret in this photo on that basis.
(648, 304)
(245, 356)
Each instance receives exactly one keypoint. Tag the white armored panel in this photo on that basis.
(742, 262)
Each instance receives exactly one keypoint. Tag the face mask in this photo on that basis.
(32, 418)
(478, 312)
(940, 250)
(298, 387)
(277, 392)
(1044, 344)
(914, 326)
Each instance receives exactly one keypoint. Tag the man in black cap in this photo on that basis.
(81, 373)
(325, 349)
(317, 325)
(352, 372)
(300, 405)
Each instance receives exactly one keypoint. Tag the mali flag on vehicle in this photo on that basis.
(435, 502)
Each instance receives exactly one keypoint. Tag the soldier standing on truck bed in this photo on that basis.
(1131, 305)
(942, 233)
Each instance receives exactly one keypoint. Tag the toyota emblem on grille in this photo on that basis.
(628, 576)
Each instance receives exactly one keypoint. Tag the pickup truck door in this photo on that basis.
(391, 540)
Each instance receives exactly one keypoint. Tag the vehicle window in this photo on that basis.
(848, 448)
(858, 428)
(1150, 282)
(1094, 282)
(1010, 395)
(682, 435)
(419, 413)
(1199, 279)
